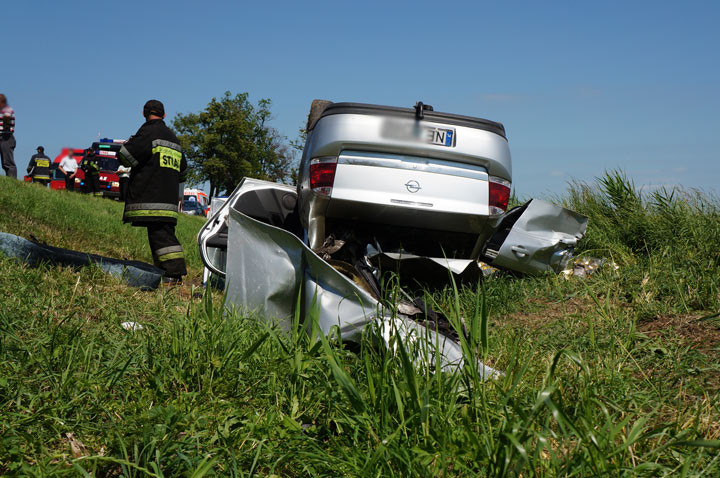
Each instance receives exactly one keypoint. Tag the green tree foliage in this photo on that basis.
(229, 140)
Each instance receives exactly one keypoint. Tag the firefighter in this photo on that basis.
(156, 184)
(39, 167)
(92, 173)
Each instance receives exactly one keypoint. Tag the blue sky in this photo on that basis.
(580, 86)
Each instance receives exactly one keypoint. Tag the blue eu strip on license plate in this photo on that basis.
(441, 137)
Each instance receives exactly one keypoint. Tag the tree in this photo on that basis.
(230, 140)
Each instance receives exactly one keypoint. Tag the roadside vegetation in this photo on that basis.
(614, 374)
(84, 223)
(231, 139)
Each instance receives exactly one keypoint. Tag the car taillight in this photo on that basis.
(322, 175)
(499, 195)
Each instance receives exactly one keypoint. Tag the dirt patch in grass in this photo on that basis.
(700, 335)
(541, 312)
(695, 375)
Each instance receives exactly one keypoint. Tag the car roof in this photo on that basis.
(436, 116)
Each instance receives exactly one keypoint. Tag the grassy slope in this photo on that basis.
(616, 374)
(83, 223)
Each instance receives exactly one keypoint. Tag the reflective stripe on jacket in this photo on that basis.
(39, 167)
(90, 166)
(158, 167)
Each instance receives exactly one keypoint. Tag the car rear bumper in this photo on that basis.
(416, 193)
(405, 216)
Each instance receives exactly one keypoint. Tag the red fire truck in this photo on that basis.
(106, 153)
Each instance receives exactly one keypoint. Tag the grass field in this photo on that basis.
(616, 374)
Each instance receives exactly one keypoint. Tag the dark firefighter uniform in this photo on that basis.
(39, 168)
(158, 169)
(91, 168)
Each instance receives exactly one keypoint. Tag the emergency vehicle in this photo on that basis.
(199, 196)
(106, 154)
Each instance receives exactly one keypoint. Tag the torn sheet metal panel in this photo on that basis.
(268, 268)
(134, 273)
(536, 237)
(428, 270)
(215, 255)
(268, 202)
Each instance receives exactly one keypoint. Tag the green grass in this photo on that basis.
(80, 222)
(612, 375)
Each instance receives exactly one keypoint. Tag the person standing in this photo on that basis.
(155, 189)
(91, 169)
(68, 166)
(39, 167)
(123, 173)
(7, 138)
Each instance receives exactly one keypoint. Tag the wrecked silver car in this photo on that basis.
(275, 255)
(253, 243)
(270, 271)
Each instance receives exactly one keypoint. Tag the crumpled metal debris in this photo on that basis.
(585, 266)
(536, 237)
(269, 268)
(427, 270)
(329, 247)
(217, 255)
(131, 326)
(134, 273)
(271, 271)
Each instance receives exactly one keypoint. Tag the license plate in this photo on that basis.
(441, 137)
(406, 131)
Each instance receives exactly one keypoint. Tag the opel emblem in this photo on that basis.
(413, 186)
